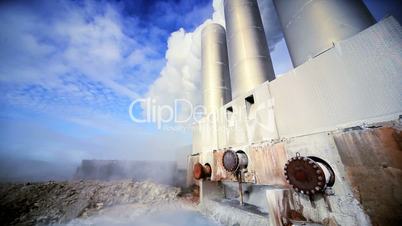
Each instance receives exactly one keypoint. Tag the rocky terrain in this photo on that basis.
(91, 203)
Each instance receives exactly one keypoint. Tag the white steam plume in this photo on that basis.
(181, 76)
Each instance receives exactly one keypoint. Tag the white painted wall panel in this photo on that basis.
(360, 79)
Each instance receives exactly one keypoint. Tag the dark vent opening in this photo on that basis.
(250, 99)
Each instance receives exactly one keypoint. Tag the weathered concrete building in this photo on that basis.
(320, 144)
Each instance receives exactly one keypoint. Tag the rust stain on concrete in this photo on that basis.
(268, 162)
(282, 207)
(373, 164)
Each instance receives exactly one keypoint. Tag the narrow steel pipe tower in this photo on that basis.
(312, 26)
(215, 68)
(249, 60)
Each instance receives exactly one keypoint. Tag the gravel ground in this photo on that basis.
(96, 203)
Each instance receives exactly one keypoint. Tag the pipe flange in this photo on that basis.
(230, 161)
(305, 175)
(201, 172)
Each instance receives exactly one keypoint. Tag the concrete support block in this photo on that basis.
(211, 190)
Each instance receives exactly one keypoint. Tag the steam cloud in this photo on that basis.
(181, 76)
(80, 67)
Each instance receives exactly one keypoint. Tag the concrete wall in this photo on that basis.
(372, 159)
(358, 81)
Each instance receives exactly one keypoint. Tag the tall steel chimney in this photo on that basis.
(215, 68)
(311, 26)
(249, 60)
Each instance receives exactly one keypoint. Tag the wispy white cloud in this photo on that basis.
(82, 43)
(71, 69)
(181, 76)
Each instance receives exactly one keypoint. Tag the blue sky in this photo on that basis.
(69, 70)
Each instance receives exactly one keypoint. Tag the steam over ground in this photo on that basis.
(69, 72)
(96, 203)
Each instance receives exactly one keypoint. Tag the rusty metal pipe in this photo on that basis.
(234, 161)
(309, 175)
(201, 171)
(240, 180)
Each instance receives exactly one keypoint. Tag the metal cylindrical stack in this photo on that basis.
(249, 60)
(312, 26)
(215, 69)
